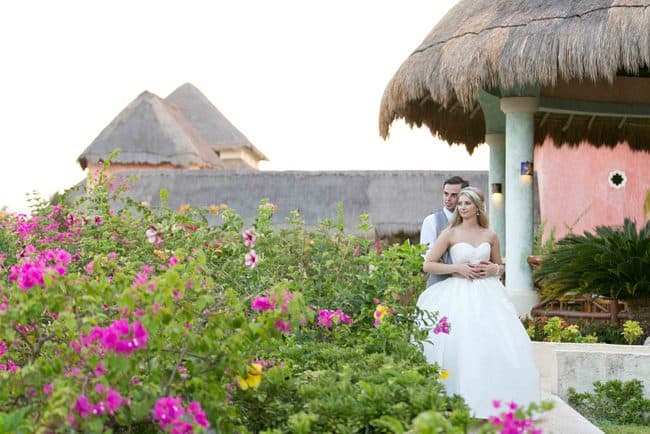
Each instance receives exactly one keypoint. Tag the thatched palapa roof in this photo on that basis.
(209, 122)
(599, 47)
(150, 131)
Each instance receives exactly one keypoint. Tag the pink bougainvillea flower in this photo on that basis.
(327, 318)
(172, 261)
(83, 407)
(113, 400)
(249, 238)
(262, 304)
(167, 410)
(199, 415)
(4, 305)
(377, 247)
(251, 259)
(442, 326)
(90, 267)
(283, 325)
(99, 370)
(154, 237)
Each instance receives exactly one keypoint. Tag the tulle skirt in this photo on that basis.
(488, 353)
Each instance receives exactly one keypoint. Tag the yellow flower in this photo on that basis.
(183, 208)
(223, 206)
(270, 206)
(162, 255)
(444, 374)
(213, 209)
(380, 312)
(253, 379)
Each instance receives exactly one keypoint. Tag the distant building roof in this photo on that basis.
(208, 121)
(150, 131)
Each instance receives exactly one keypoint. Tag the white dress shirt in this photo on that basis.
(428, 233)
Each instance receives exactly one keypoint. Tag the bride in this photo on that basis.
(488, 354)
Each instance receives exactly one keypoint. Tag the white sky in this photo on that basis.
(301, 79)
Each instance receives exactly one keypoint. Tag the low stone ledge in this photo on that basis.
(565, 365)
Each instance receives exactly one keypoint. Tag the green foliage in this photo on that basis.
(613, 262)
(613, 401)
(632, 331)
(188, 285)
(555, 329)
(541, 247)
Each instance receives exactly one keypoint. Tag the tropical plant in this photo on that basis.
(541, 246)
(613, 261)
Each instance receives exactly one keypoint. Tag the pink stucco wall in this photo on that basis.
(574, 190)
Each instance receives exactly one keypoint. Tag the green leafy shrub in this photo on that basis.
(614, 401)
(116, 320)
(613, 262)
(632, 331)
(555, 329)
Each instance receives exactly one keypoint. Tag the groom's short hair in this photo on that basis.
(455, 180)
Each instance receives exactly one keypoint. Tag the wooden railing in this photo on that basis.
(583, 307)
(588, 307)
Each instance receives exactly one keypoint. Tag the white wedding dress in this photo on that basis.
(488, 353)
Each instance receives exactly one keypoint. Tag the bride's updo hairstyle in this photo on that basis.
(476, 196)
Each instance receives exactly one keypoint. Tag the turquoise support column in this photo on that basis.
(497, 177)
(520, 129)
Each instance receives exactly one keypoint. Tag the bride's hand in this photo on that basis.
(468, 271)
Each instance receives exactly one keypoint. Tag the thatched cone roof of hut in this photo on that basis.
(150, 131)
(505, 44)
(209, 122)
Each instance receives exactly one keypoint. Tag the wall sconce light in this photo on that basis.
(526, 168)
(497, 188)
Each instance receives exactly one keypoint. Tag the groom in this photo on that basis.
(434, 223)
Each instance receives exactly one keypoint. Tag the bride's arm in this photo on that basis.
(495, 256)
(432, 262)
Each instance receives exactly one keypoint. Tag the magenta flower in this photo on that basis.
(3, 348)
(113, 400)
(199, 415)
(99, 370)
(172, 261)
(442, 326)
(251, 259)
(327, 318)
(283, 325)
(83, 406)
(249, 238)
(167, 410)
(262, 304)
(90, 267)
(48, 388)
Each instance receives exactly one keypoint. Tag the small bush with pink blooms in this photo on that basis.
(140, 318)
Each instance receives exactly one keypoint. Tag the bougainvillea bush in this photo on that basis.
(141, 319)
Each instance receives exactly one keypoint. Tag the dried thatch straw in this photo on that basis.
(505, 44)
(152, 132)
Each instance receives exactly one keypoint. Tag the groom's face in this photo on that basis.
(450, 195)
